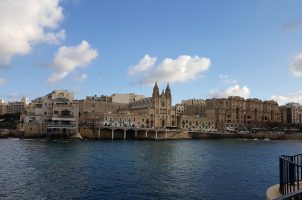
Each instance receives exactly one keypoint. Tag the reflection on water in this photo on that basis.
(184, 169)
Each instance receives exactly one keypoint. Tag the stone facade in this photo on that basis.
(157, 110)
(13, 106)
(126, 98)
(196, 123)
(149, 112)
(291, 113)
(59, 113)
(237, 113)
(55, 113)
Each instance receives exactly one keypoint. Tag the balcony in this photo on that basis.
(61, 125)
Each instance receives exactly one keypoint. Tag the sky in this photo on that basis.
(202, 48)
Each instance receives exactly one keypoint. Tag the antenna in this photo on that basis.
(141, 84)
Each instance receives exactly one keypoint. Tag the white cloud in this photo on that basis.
(2, 81)
(295, 66)
(82, 77)
(234, 90)
(225, 78)
(68, 59)
(24, 23)
(184, 68)
(144, 65)
(284, 99)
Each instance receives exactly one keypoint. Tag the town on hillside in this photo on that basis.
(58, 113)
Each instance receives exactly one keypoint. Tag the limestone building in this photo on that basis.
(196, 123)
(13, 106)
(237, 113)
(157, 109)
(54, 114)
(3, 107)
(291, 113)
(150, 112)
(93, 111)
(126, 98)
(195, 107)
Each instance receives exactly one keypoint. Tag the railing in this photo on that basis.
(297, 195)
(290, 169)
(54, 125)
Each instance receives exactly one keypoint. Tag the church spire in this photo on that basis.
(168, 91)
(155, 90)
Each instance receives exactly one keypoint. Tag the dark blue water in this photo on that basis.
(183, 169)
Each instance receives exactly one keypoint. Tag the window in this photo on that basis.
(65, 113)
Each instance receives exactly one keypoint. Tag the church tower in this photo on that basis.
(168, 92)
(168, 96)
(155, 91)
(162, 107)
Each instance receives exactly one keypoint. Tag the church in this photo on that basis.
(157, 110)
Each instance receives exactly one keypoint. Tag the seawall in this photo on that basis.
(260, 135)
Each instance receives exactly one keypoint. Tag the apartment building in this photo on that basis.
(237, 113)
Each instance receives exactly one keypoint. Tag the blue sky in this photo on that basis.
(203, 48)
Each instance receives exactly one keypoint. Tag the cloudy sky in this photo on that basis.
(203, 48)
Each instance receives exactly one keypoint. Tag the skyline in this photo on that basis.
(204, 49)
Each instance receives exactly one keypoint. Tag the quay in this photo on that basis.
(259, 135)
(123, 133)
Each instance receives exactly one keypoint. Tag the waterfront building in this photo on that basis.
(92, 110)
(196, 123)
(291, 113)
(237, 113)
(59, 113)
(149, 112)
(54, 114)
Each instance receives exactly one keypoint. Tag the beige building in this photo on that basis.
(237, 113)
(102, 98)
(191, 107)
(291, 113)
(150, 112)
(13, 106)
(54, 114)
(196, 123)
(195, 107)
(157, 110)
(179, 109)
(126, 98)
(193, 102)
(3, 107)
